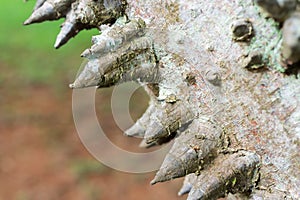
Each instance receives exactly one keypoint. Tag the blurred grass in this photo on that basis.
(29, 51)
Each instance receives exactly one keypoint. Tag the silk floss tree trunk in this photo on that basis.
(222, 77)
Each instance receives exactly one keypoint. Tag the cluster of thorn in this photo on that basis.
(79, 15)
(124, 52)
(287, 12)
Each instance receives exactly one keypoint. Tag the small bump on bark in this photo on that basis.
(242, 30)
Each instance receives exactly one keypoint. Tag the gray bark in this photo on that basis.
(259, 109)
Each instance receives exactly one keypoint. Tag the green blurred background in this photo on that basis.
(41, 156)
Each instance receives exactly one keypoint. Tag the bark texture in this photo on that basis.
(259, 110)
(223, 79)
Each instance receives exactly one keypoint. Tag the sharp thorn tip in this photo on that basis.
(153, 182)
(72, 86)
(57, 44)
(27, 22)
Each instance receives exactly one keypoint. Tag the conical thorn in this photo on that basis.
(139, 128)
(133, 61)
(113, 38)
(167, 120)
(50, 10)
(191, 151)
(188, 183)
(45, 12)
(229, 173)
(68, 31)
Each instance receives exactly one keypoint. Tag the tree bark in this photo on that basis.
(260, 109)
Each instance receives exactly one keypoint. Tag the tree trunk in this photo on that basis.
(228, 76)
